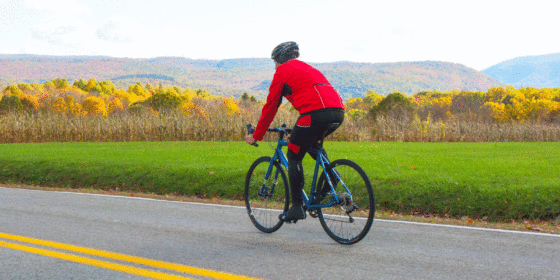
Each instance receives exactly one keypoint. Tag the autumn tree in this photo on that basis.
(94, 105)
(164, 101)
(10, 103)
(26, 88)
(90, 85)
(12, 90)
(115, 105)
(138, 90)
(29, 103)
(81, 84)
(61, 84)
(394, 105)
(467, 103)
(371, 99)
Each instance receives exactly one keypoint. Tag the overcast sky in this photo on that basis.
(477, 34)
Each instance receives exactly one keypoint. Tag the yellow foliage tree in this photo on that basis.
(231, 107)
(139, 90)
(190, 109)
(188, 94)
(356, 114)
(440, 107)
(123, 96)
(91, 84)
(371, 99)
(77, 110)
(497, 110)
(60, 106)
(29, 102)
(69, 100)
(115, 105)
(94, 105)
(353, 103)
(12, 90)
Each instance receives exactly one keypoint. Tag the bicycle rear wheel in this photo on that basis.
(349, 221)
(266, 197)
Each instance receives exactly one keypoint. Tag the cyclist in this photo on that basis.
(318, 103)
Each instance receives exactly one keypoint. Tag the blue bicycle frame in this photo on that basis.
(322, 162)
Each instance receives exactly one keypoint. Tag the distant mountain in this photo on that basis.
(541, 71)
(232, 77)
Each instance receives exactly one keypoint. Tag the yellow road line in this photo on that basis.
(98, 263)
(127, 258)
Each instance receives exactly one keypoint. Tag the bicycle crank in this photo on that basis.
(313, 213)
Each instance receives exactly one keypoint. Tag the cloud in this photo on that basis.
(58, 8)
(119, 30)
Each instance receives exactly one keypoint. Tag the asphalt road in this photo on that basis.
(39, 232)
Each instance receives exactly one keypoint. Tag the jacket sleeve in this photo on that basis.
(271, 107)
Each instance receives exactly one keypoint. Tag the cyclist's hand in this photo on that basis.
(289, 136)
(250, 140)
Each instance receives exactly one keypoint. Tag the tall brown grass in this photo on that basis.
(219, 125)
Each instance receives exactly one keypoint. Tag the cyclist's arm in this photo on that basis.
(270, 108)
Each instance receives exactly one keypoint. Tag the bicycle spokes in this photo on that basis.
(266, 194)
(349, 220)
(342, 197)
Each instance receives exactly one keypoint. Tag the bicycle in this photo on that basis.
(343, 201)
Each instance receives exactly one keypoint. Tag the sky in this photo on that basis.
(477, 34)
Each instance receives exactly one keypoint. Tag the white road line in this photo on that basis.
(243, 207)
(472, 228)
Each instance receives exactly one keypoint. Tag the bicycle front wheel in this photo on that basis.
(350, 220)
(266, 194)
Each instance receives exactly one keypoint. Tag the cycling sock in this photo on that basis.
(295, 172)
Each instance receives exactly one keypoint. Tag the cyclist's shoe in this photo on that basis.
(294, 214)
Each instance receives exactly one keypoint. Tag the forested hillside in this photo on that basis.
(232, 77)
(541, 71)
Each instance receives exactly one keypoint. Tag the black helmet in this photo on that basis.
(285, 52)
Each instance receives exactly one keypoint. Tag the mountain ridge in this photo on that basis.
(539, 71)
(235, 76)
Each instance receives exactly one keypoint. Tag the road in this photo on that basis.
(58, 235)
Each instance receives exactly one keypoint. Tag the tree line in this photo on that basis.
(91, 97)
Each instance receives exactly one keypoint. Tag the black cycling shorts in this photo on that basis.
(309, 128)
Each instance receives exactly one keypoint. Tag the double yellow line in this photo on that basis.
(110, 255)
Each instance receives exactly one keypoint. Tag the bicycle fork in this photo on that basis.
(264, 190)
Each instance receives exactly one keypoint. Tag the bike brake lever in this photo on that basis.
(251, 130)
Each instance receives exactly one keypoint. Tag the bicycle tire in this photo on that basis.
(264, 207)
(335, 220)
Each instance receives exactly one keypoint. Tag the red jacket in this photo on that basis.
(304, 86)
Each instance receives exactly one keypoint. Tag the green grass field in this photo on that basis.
(499, 181)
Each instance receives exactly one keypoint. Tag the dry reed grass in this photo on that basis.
(218, 125)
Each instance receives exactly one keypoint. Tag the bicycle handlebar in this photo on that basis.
(282, 129)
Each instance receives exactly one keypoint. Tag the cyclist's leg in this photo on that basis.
(302, 137)
(295, 175)
(321, 119)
